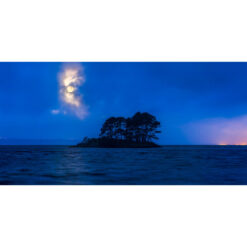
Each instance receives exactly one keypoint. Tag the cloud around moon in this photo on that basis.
(71, 78)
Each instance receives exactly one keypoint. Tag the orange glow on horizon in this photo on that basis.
(237, 144)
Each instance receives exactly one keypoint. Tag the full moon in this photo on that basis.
(70, 89)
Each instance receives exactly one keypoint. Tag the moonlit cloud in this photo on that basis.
(71, 78)
(222, 131)
(55, 112)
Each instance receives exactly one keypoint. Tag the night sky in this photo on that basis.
(196, 103)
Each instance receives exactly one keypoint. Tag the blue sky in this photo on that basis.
(196, 103)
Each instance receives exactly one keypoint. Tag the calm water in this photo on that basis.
(169, 165)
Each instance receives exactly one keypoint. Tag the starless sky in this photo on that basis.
(196, 103)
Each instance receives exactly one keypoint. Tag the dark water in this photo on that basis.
(169, 165)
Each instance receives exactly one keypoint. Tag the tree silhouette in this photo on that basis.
(108, 128)
(141, 128)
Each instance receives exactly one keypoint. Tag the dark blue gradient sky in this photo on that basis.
(196, 103)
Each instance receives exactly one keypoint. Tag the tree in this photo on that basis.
(107, 129)
(120, 127)
(141, 128)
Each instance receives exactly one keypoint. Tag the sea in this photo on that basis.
(167, 165)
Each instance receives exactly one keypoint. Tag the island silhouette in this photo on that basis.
(138, 131)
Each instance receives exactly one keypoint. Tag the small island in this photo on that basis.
(138, 131)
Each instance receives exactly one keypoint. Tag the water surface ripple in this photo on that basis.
(168, 165)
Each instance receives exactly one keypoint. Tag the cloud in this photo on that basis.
(55, 111)
(231, 131)
(71, 78)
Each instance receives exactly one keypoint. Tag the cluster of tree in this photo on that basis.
(141, 128)
(137, 131)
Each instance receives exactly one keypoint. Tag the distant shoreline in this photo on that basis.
(118, 145)
(160, 145)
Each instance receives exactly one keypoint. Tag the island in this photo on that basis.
(138, 131)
